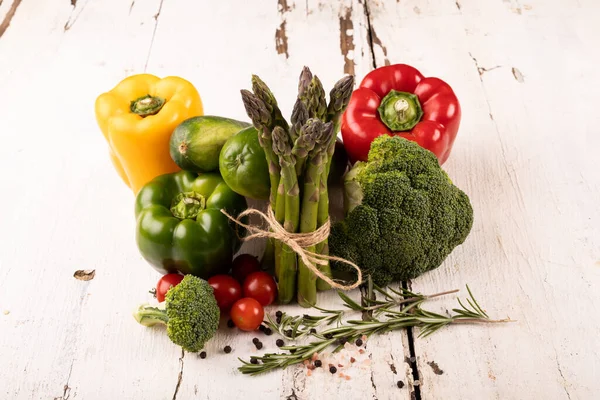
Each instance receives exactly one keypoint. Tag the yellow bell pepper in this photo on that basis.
(137, 118)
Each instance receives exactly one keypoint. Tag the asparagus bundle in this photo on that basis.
(299, 157)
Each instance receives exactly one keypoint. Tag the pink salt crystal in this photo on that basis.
(309, 372)
(315, 356)
(366, 362)
(347, 378)
(364, 338)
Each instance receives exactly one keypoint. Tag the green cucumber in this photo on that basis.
(196, 142)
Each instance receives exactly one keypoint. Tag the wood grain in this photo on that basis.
(524, 157)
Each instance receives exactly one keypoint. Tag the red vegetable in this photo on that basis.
(165, 283)
(260, 286)
(244, 265)
(247, 314)
(398, 100)
(227, 291)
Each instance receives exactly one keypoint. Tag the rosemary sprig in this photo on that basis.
(410, 314)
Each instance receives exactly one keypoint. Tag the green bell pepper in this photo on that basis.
(180, 227)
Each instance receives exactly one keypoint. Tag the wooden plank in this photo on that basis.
(65, 338)
(273, 41)
(523, 155)
(69, 210)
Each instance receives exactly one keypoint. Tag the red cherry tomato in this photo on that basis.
(260, 286)
(244, 265)
(227, 291)
(247, 314)
(165, 283)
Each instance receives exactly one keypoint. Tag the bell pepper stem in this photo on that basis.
(147, 105)
(400, 111)
(187, 205)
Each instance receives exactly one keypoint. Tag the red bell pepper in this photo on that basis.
(398, 100)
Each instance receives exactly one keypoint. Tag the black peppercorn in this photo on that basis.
(255, 340)
(318, 363)
(328, 336)
(279, 342)
(313, 331)
(289, 333)
(230, 323)
(268, 331)
(227, 349)
(203, 355)
(259, 345)
(262, 328)
(332, 369)
(342, 341)
(292, 351)
(359, 342)
(278, 314)
(400, 384)
(254, 360)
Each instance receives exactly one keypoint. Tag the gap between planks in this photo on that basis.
(411, 358)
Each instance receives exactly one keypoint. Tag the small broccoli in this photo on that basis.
(190, 312)
(404, 215)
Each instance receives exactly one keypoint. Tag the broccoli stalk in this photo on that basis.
(189, 311)
(404, 214)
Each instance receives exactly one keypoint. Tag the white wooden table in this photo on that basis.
(526, 73)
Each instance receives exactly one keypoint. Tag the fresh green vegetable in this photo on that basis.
(288, 266)
(398, 309)
(196, 142)
(190, 313)
(311, 195)
(338, 100)
(299, 158)
(180, 226)
(404, 214)
(243, 165)
(263, 116)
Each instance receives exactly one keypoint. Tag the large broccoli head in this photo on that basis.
(190, 312)
(404, 215)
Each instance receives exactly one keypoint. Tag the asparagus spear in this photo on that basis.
(282, 147)
(262, 91)
(307, 280)
(263, 121)
(305, 143)
(305, 78)
(299, 118)
(338, 101)
(313, 98)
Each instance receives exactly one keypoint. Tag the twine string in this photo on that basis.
(298, 242)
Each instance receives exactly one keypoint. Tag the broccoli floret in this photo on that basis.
(404, 215)
(190, 312)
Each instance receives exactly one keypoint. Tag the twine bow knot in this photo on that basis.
(298, 242)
